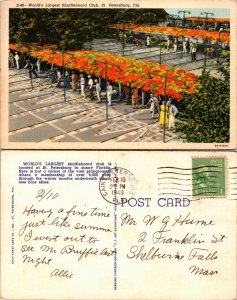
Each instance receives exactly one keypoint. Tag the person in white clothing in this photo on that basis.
(17, 60)
(173, 110)
(38, 63)
(11, 60)
(82, 84)
(175, 47)
(109, 93)
(184, 46)
(194, 53)
(168, 45)
(153, 101)
(90, 87)
(98, 89)
(59, 77)
(148, 41)
(191, 47)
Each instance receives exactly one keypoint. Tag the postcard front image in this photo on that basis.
(133, 76)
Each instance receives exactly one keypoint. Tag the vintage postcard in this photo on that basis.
(118, 75)
(95, 225)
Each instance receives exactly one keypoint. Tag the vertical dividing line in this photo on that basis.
(12, 226)
(115, 232)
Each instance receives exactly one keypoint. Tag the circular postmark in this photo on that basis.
(117, 185)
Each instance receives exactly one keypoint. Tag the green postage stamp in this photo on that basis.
(208, 177)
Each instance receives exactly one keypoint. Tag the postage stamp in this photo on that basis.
(209, 177)
(117, 183)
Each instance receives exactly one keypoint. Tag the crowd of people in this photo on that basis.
(166, 112)
(187, 47)
(173, 45)
(87, 86)
(91, 87)
(16, 60)
(216, 26)
(19, 60)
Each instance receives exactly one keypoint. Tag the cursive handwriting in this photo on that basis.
(127, 220)
(159, 238)
(29, 236)
(81, 226)
(61, 273)
(60, 222)
(28, 224)
(26, 248)
(34, 211)
(186, 221)
(70, 249)
(37, 261)
(195, 253)
(97, 213)
(197, 271)
(85, 252)
(73, 212)
(82, 238)
(152, 253)
(43, 194)
(57, 233)
(46, 248)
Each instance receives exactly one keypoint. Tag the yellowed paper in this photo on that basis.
(118, 225)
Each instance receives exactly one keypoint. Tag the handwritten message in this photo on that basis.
(74, 232)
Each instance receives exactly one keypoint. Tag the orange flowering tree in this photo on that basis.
(145, 75)
(214, 20)
(176, 31)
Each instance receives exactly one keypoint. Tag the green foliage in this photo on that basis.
(158, 42)
(206, 113)
(70, 28)
(225, 54)
(139, 16)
